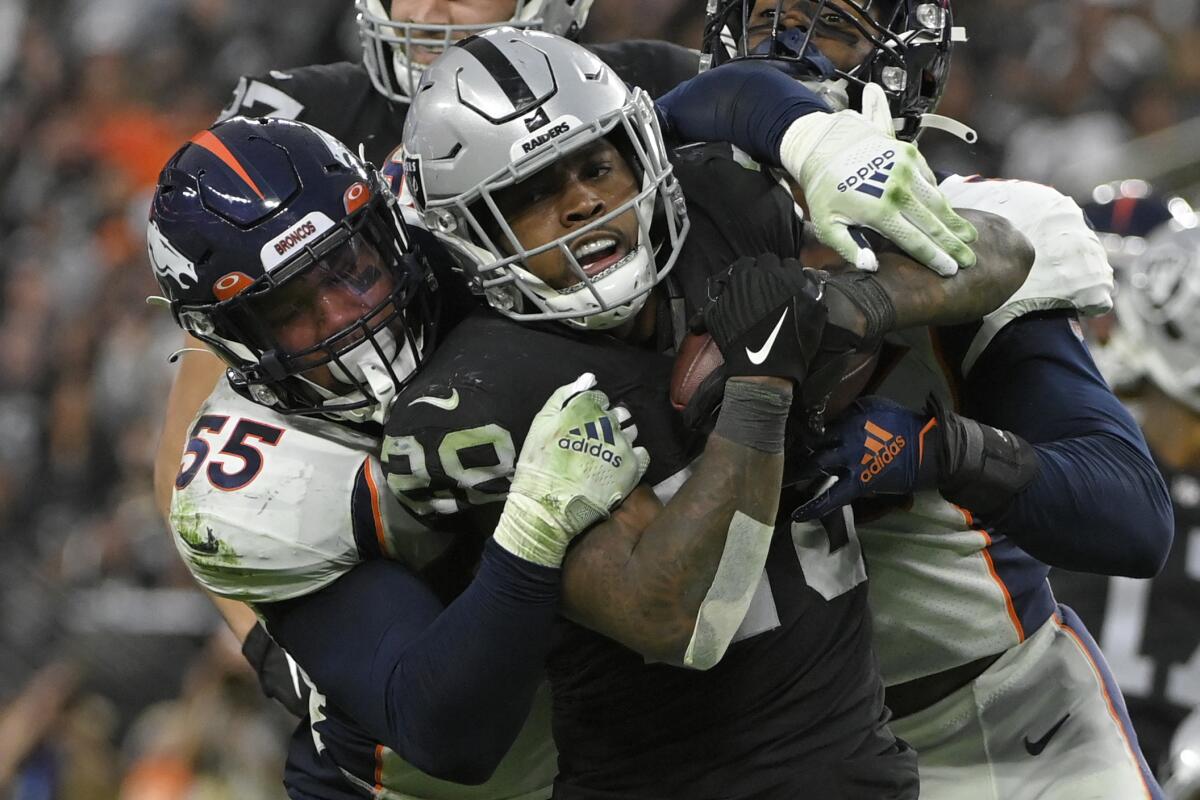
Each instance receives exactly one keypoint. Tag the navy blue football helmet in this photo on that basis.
(286, 254)
(1126, 213)
(911, 42)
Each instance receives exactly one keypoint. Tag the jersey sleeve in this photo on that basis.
(1070, 269)
(265, 509)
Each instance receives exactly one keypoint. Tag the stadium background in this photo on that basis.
(116, 679)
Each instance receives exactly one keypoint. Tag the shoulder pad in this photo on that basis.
(1070, 269)
(653, 65)
(268, 507)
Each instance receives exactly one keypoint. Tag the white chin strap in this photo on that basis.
(364, 365)
(633, 274)
(948, 125)
(834, 93)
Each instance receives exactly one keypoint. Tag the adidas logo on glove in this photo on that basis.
(591, 439)
(872, 176)
(882, 449)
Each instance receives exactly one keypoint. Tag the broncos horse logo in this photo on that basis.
(168, 261)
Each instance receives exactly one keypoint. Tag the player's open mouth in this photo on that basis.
(598, 253)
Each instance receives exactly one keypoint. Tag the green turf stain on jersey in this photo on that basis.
(197, 535)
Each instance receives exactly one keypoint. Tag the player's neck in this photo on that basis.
(642, 326)
(1172, 430)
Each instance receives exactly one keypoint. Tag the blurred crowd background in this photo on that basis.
(116, 679)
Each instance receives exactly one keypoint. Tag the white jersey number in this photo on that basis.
(830, 554)
(455, 453)
(270, 102)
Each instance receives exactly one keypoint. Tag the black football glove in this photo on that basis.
(766, 316)
(277, 673)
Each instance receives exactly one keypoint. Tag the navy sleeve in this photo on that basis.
(750, 104)
(1099, 503)
(446, 689)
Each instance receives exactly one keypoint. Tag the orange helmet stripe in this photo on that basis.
(209, 141)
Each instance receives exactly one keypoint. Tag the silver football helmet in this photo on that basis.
(388, 39)
(1126, 214)
(1182, 772)
(499, 107)
(1158, 307)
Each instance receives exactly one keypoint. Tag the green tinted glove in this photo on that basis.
(576, 464)
(855, 173)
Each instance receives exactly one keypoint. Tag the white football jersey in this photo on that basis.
(943, 592)
(269, 507)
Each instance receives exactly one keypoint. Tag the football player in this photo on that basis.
(288, 256)
(601, 244)
(258, 231)
(364, 104)
(1145, 626)
(284, 253)
(1024, 458)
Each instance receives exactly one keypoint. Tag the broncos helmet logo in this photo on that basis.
(169, 262)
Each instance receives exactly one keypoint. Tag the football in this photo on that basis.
(859, 368)
(699, 357)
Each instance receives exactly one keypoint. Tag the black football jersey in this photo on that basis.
(1147, 628)
(795, 706)
(340, 99)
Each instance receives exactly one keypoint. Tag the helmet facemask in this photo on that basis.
(909, 57)
(388, 42)
(368, 360)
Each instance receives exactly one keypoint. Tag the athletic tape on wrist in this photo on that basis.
(867, 294)
(728, 597)
(982, 467)
(529, 531)
(754, 415)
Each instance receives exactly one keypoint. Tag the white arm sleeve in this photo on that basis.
(728, 598)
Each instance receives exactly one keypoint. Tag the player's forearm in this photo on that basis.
(905, 294)
(923, 298)
(1097, 505)
(446, 689)
(748, 104)
(649, 588)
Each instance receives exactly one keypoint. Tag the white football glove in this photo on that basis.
(854, 172)
(575, 466)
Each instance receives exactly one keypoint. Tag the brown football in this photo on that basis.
(854, 380)
(698, 356)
